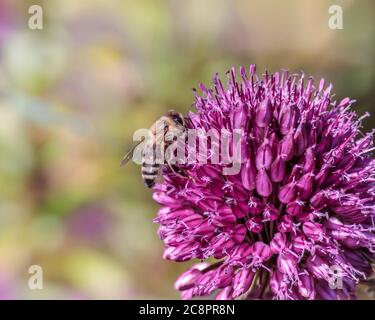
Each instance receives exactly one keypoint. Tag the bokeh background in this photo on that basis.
(72, 94)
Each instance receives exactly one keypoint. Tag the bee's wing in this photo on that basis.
(129, 155)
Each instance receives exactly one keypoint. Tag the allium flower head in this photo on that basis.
(297, 221)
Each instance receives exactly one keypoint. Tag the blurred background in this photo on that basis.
(72, 94)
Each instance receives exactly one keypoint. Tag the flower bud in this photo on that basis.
(248, 174)
(278, 243)
(239, 233)
(278, 170)
(263, 157)
(261, 251)
(264, 113)
(263, 183)
(240, 117)
(306, 287)
(313, 230)
(287, 193)
(242, 282)
(287, 147)
(317, 200)
(255, 206)
(165, 200)
(287, 118)
(287, 264)
(309, 160)
(300, 138)
(270, 213)
(254, 224)
(294, 208)
(187, 279)
(305, 186)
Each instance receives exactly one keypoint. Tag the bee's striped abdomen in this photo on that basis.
(150, 173)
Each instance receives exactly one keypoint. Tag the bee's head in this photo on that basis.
(176, 117)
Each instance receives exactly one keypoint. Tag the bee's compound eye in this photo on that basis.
(178, 119)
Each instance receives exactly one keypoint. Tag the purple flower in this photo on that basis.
(297, 221)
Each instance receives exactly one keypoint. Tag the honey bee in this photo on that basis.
(161, 135)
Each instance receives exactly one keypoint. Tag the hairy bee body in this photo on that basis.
(149, 173)
(156, 144)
